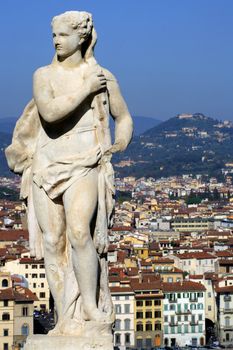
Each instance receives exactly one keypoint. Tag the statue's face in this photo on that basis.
(66, 39)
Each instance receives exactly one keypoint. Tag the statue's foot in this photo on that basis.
(56, 330)
(72, 327)
(94, 315)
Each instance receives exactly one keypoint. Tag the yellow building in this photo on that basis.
(16, 314)
(148, 312)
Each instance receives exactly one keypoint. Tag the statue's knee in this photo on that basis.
(79, 238)
(53, 244)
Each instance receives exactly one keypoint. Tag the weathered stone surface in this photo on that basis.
(43, 342)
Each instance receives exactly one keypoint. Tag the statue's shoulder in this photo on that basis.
(42, 71)
(108, 75)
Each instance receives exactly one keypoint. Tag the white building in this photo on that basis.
(225, 314)
(123, 301)
(184, 314)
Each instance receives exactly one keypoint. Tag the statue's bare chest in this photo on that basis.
(65, 81)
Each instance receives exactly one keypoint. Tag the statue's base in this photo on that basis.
(45, 342)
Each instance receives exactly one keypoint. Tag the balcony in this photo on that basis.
(183, 312)
(172, 300)
(227, 298)
(193, 323)
(228, 328)
(173, 324)
(227, 311)
(193, 300)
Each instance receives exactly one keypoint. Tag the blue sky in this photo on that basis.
(170, 56)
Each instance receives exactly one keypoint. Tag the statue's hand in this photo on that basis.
(101, 243)
(95, 79)
(118, 146)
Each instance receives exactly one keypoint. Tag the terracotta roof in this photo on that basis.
(225, 289)
(17, 293)
(182, 286)
(121, 290)
(145, 285)
(196, 255)
(13, 235)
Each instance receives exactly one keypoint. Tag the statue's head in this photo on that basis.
(72, 31)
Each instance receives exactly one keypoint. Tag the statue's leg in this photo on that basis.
(80, 203)
(51, 219)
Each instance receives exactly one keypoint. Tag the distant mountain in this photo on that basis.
(187, 143)
(5, 140)
(141, 124)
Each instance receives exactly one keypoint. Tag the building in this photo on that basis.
(184, 314)
(225, 315)
(123, 301)
(34, 272)
(148, 312)
(16, 314)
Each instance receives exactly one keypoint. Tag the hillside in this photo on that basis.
(183, 144)
(5, 140)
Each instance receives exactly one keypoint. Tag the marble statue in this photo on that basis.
(62, 147)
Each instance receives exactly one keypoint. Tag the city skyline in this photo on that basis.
(169, 57)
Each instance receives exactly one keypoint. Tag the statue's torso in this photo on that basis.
(75, 134)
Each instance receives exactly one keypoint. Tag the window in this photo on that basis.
(200, 328)
(42, 285)
(157, 302)
(117, 325)
(25, 329)
(4, 283)
(148, 314)
(127, 324)
(139, 327)
(26, 266)
(148, 302)
(42, 295)
(165, 307)
(127, 308)
(5, 316)
(127, 338)
(25, 311)
(179, 318)
(179, 307)
(139, 343)
(170, 279)
(117, 338)
(227, 321)
(186, 306)
(166, 329)
(193, 329)
(209, 308)
(34, 275)
(157, 314)
(186, 328)
(172, 307)
(118, 309)
(34, 266)
(139, 303)
(186, 318)
(165, 318)
(157, 326)
(41, 266)
(227, 336)
(179, 329)
(148, 326)
(127, 297)
(139, 314)
(26, 275)
(148, 342)
(117, 297)
(34, 285)
(5, 332)
(193, 307)
(200, 317)
(5, 346)
(209, 294)
(42, 275)
(5, 303)
(200, 306)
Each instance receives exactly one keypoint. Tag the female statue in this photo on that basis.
(62, 146)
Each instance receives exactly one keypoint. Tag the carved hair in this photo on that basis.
(83, 23)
